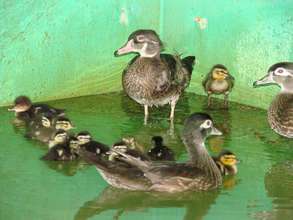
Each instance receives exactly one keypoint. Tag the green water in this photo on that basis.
(34, 189)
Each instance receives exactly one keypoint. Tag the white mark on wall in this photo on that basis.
(123, 17)
(202, 22)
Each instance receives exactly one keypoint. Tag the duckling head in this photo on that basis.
(228, 161)
(199, 126)
(63, 123)
(74, 144)
(21, 104)
(46, 121)
(280, 74)
(60, 137)
(219, 72)
(145, 42)
(157, 141)
(83, 137)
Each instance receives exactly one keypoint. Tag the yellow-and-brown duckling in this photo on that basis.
(160, 152)
(65, 148)
(26, 110)
(280, 113)
(152, 78)
(226, 162)
(86, 143)
(43, 126)
(219, 82)
(199, 173)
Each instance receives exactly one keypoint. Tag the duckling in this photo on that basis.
(218, 81)
(280, 113)
(25, 110)
(43, 127)
(65, 148)
(152, 78)
(160, 152)
(199, 173)
(226, 162)
(86, 143)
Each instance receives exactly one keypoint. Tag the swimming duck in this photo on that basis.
(152, 78)
(64, 149)
(43, 126)
(218, 81)
(199, 173)
(86, 143)
(280, 113)
(159, 151)
(226, 162)
(25, 110)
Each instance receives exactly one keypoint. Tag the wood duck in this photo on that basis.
(280, 113)
(226, 162)
(86, 143)
(25, 110)
(199, 173)
(43, 126)
(64, 149)
(219, 82)
(159, 152)
(152, 78)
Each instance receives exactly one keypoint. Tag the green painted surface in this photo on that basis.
(64, 48)
(32, 189)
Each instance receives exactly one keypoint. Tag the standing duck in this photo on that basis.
(152, 78)
(218, 81)
(199, 173)
(25, 110)
(280, 113)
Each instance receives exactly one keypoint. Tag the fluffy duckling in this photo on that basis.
(25, 110)
(226, 162)
(159, 151)
(199, 173)
(86, 143)
(45, 125)
(152, 78)
(280, 113)
(218, 81)
(65, 148)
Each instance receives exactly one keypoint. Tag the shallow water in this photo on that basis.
(34, 189)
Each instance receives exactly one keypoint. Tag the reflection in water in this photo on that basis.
(124, 200)
(67, 168)
(279, 186)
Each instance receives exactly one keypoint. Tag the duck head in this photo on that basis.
(280, 74)
(227, 162)
(83, 137)
(145, 42)
(63, 123)
(21, 104)
(60, 137)
(157, 141)
(74, 144)
(46, 121)
(219, 72)
(199, 126)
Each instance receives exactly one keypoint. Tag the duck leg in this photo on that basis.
(146, 114)
(173, 105)
(226, 100)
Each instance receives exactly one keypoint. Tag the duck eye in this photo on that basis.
(206, 124)
(140, 38)
(280, 71)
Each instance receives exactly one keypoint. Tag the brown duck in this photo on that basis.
(280, 113)
(152, 78)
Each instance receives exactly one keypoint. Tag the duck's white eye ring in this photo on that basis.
(206, 124)
(140, 38)
(281, 72)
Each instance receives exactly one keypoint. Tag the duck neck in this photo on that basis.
(200, 158)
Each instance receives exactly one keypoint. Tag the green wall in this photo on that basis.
(64, 48)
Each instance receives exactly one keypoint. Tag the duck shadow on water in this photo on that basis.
(196, 204)
(67, 168)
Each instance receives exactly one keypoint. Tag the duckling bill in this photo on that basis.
(280, 112)
(219, 82)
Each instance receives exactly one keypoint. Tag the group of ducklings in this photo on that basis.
(152, 78)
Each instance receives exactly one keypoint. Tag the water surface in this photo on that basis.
(34, 189)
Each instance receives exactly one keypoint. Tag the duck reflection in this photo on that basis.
(196, 204)
(67, 168)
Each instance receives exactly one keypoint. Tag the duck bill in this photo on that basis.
(216, 132)
(266, 80)
(11, 109)
(127, 48)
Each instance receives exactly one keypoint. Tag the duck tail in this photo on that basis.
(188, 63)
